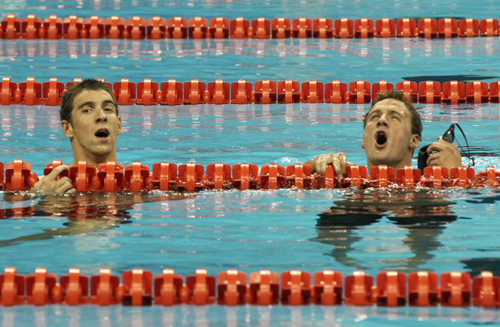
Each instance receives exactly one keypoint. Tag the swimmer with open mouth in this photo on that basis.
(392, 132)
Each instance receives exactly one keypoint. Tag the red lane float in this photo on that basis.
(242, 92)
(265, 92)
(201, 288)
(323, 28)
(272, 176)
(264, 288)
(455, 289)
(289, 91)
(110, 177)
(52, 92)
(138, 28)
(218, 92)
(73, 27)
(302, 28)
(93, 28)
(381, 87)
(232, 287)
(406, 27)
(164, 176)
(75, 287)
(423, 289)
(328, 286)
(385, 28)
(312, 92)
(195, 92)
(218, 176)
(105, 288)
(10, 28)
(168, 288)
(485, 290)
(198, 28)
(52, 28)
(281, 28)
(296, 287)
(359, 289)
(171, 92)
(42, 288)
(219, 28)
(191, 177)
(9, 93)
(12, 288)
(139, 287)
(391, 289)
(115, 27)
(18, 176)
(363, 28)
(30, 92)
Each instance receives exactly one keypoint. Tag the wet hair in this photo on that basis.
(70, 95)
(416, 122)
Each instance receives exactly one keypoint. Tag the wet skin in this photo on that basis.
(94, 127)
(93, 130)
(387, 138)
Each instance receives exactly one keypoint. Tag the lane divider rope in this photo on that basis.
(172, 92)
(138, 28)
(190, 177)
(139, 287)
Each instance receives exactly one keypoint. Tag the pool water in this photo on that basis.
(344, 230)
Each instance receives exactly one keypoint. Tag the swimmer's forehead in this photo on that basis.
(93, 97)
(390, 106)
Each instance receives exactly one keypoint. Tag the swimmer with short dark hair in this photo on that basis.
(90, 119)
(392, 132)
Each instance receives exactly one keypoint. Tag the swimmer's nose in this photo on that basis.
(101, 117)
(382, 121)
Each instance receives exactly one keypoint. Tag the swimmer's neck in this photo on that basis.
(94, 160)
(398, 165)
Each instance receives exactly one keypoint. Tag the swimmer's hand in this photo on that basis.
(444, 154)
(50, 184)
(338, 160)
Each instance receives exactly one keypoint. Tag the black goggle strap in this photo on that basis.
(467, 154)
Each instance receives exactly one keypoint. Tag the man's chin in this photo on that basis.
(381, 159)
(100, 152)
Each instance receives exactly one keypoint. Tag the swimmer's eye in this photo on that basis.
(374, 116)
(109, 109)
(86, 110)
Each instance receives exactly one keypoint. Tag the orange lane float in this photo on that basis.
(191, 177)
(139, 28)
(139, 287)
(195, 92)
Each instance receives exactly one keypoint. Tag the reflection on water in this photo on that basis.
(86, 212)
(423, 214)
(263, 316)
(250, 59)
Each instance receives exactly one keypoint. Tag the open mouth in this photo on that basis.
(102, 133)
(381, 138)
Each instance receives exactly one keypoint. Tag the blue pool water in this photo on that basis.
(251, 230)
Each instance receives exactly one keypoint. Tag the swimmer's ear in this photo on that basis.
(67, 129)
(363, 143)
(120, 125)
(414, 141)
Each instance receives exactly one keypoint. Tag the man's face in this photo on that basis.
(95, 125)
(388, 139)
